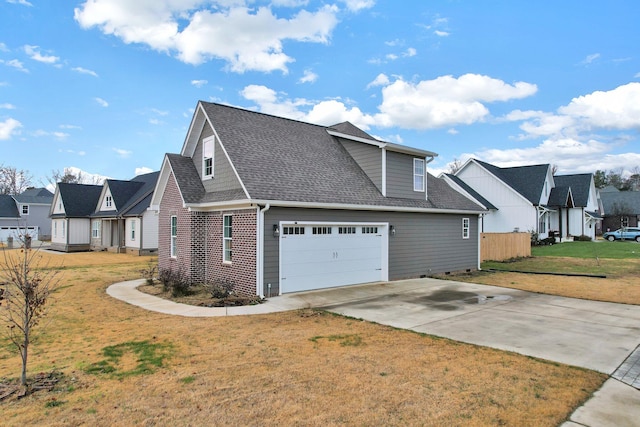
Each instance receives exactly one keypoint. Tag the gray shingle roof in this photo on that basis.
(8, 207)
(349, 129)
(561, 196)
(286, 160)
(621, 201)
(526, 180)
(580, 185)
(35, 195)
(130, 196)
(79, 200)
(279, 159)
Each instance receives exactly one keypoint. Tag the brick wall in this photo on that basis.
(200, 243)
(170, 205)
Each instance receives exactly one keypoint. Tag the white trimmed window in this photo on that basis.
(369, 230)
(95, 229)
(25, 209)
(174, 236)
(227, 236)
(108, 201)
(133, 230)
(418, 174)
(207, 157)
(465, 228)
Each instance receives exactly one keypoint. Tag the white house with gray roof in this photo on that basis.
(530, 198)
(274, 205)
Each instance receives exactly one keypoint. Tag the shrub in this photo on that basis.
(582, 238)
(150, 271)
(175, 281)
(221, 289)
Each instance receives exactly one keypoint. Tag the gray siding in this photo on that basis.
(368, 157)
(400, 176)
(424, 244)
(223, 176)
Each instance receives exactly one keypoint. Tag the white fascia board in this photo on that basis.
(249, 203)
(381, 144)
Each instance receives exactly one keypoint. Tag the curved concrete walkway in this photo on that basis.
(590, 334)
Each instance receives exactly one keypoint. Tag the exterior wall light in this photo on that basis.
(276, 230)
(392, 230)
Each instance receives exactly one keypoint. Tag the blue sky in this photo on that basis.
(109, 86)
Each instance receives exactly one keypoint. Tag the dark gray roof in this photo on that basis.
(79, 200)
(526, 180)
(561, 196)
(471, 191)
(8, 207)
(350, 129)
(621, 202)
(35, 195)
(130, 196)
(287, 160)
(580, 185)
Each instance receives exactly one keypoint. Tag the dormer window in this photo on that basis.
(207, 157)
(108, 201)
(418, 174)
(25, 209)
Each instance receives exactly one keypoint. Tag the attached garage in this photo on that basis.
(320, 255)
(9, 231)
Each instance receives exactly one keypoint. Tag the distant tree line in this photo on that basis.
(614, 178)
(14, 181)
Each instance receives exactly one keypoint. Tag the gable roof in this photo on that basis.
(580, 187)
(348, 128)
(284, 160)
(473, 193)
(8, 207)
(561, 196)
(129, 196)
(526, 180)
(35, 196)
(79, 199)
(627, 201)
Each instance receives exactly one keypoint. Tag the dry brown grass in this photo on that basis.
(295, 368)
(622, 284)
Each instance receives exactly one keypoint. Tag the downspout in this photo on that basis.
(480, 221)
(260, 251)
(427, 160)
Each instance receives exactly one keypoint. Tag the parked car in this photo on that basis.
(628, 233)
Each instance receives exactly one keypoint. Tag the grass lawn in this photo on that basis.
(123, 365)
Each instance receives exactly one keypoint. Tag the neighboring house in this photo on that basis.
(113, 216)
(27, 211)
(621, 209)
(121, 221)
(70, 215)
(530, 198)
(272, 205)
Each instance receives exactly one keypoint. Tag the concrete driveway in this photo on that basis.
(593, 335)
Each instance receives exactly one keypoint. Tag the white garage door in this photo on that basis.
(316, 256)
(9, 231)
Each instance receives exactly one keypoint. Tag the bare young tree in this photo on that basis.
(68, 176)
(14, 181)
(455, 166)
(25, 288)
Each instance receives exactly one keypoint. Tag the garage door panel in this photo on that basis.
(313, 261)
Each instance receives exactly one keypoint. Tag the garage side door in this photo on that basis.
(317, 256)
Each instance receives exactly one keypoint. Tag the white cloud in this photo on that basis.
(122, 152)
(22, 2)
(199, 83)
(380, 80)
(8, 128)
(34, 53)
(452, 131)
(7, 106)
(143, 170)
(85, 71)
(410, 52)
(440, 33)
(590, 58)
(3, 47)
(445, 101)
(247, 39)
(308, 77)
(69, 127)
(358, 5)
(637, 75)
(159, 112)
(43, 133)
(14, 63)
(101, 101)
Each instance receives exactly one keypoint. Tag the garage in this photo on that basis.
(324, 255)
(9, 231)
